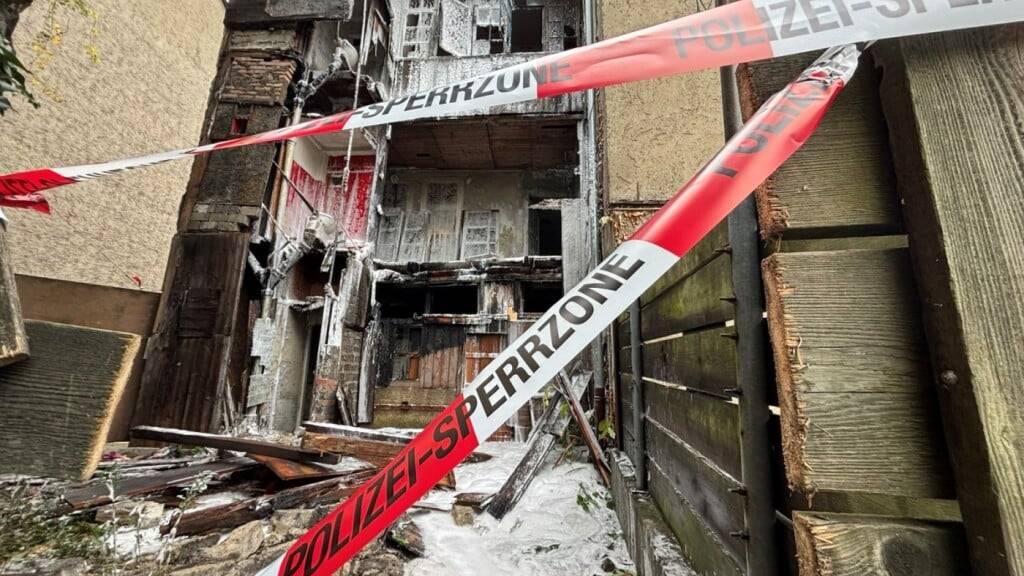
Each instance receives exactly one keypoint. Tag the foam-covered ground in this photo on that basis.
(561, 527)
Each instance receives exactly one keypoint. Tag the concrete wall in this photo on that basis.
(148, 93)
(659, 132)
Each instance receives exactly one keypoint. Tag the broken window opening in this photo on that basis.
(495, 37)
(527, 30)
(239, 125)
(459, 299)
(401, 301)
(569, 38)
(545, 232)
(491, 30)
(538, 297)
(419, 28)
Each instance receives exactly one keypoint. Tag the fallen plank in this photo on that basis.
(356, 432)
(475, 500)
(96, 493)
(172, 436)
(548, 430)
(289, 470)
(376, 452)
(589, 438)
(57, 406)
(830, 544)
(234, 514)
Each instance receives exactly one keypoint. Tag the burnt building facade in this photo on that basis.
(365, 277)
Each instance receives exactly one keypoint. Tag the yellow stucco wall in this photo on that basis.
(148, 93)
(659, 132)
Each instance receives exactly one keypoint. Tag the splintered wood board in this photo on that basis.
(841, 182)
(57, 406)
(858, 409)
(831, 544)
(955, 110)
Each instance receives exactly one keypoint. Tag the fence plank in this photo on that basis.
(858, 412)
(854, 545)
(955, 111)
(850, 147)
(710, 425)
(704, 360)
(707, 553)
(697, 301)
(700, 482)
(716, 242)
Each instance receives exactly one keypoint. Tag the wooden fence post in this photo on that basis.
(955, 111)
(13, 339)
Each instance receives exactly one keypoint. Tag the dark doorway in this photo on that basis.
(527, 30)
(545, 232)
(309, 379)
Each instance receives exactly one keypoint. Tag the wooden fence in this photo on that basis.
(863, 478)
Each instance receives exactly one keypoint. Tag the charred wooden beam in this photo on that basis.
(97, 493)
(237, 513)
(549, 429)
(172, 436)
(589, 437)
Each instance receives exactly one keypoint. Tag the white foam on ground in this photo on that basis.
(546, 534)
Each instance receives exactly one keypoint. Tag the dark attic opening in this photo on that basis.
(401, 301)
(459, 299)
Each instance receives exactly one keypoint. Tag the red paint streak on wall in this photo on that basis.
(349, 204)
(297, 211)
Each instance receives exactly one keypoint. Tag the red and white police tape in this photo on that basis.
(742, 31)
(771, 136)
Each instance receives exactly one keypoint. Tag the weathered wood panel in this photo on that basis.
(699, 300)
(709, 425)
(858, 409)
(956, 110)
(840, 183)
(57, 406)
(715, 243)
(188, 354)
(710, 491)
(13, 338)
(856, 545)
(441, 364)
(704, 360)
(708, 554)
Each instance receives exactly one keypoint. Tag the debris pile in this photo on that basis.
(196, 503)
(207, 504)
